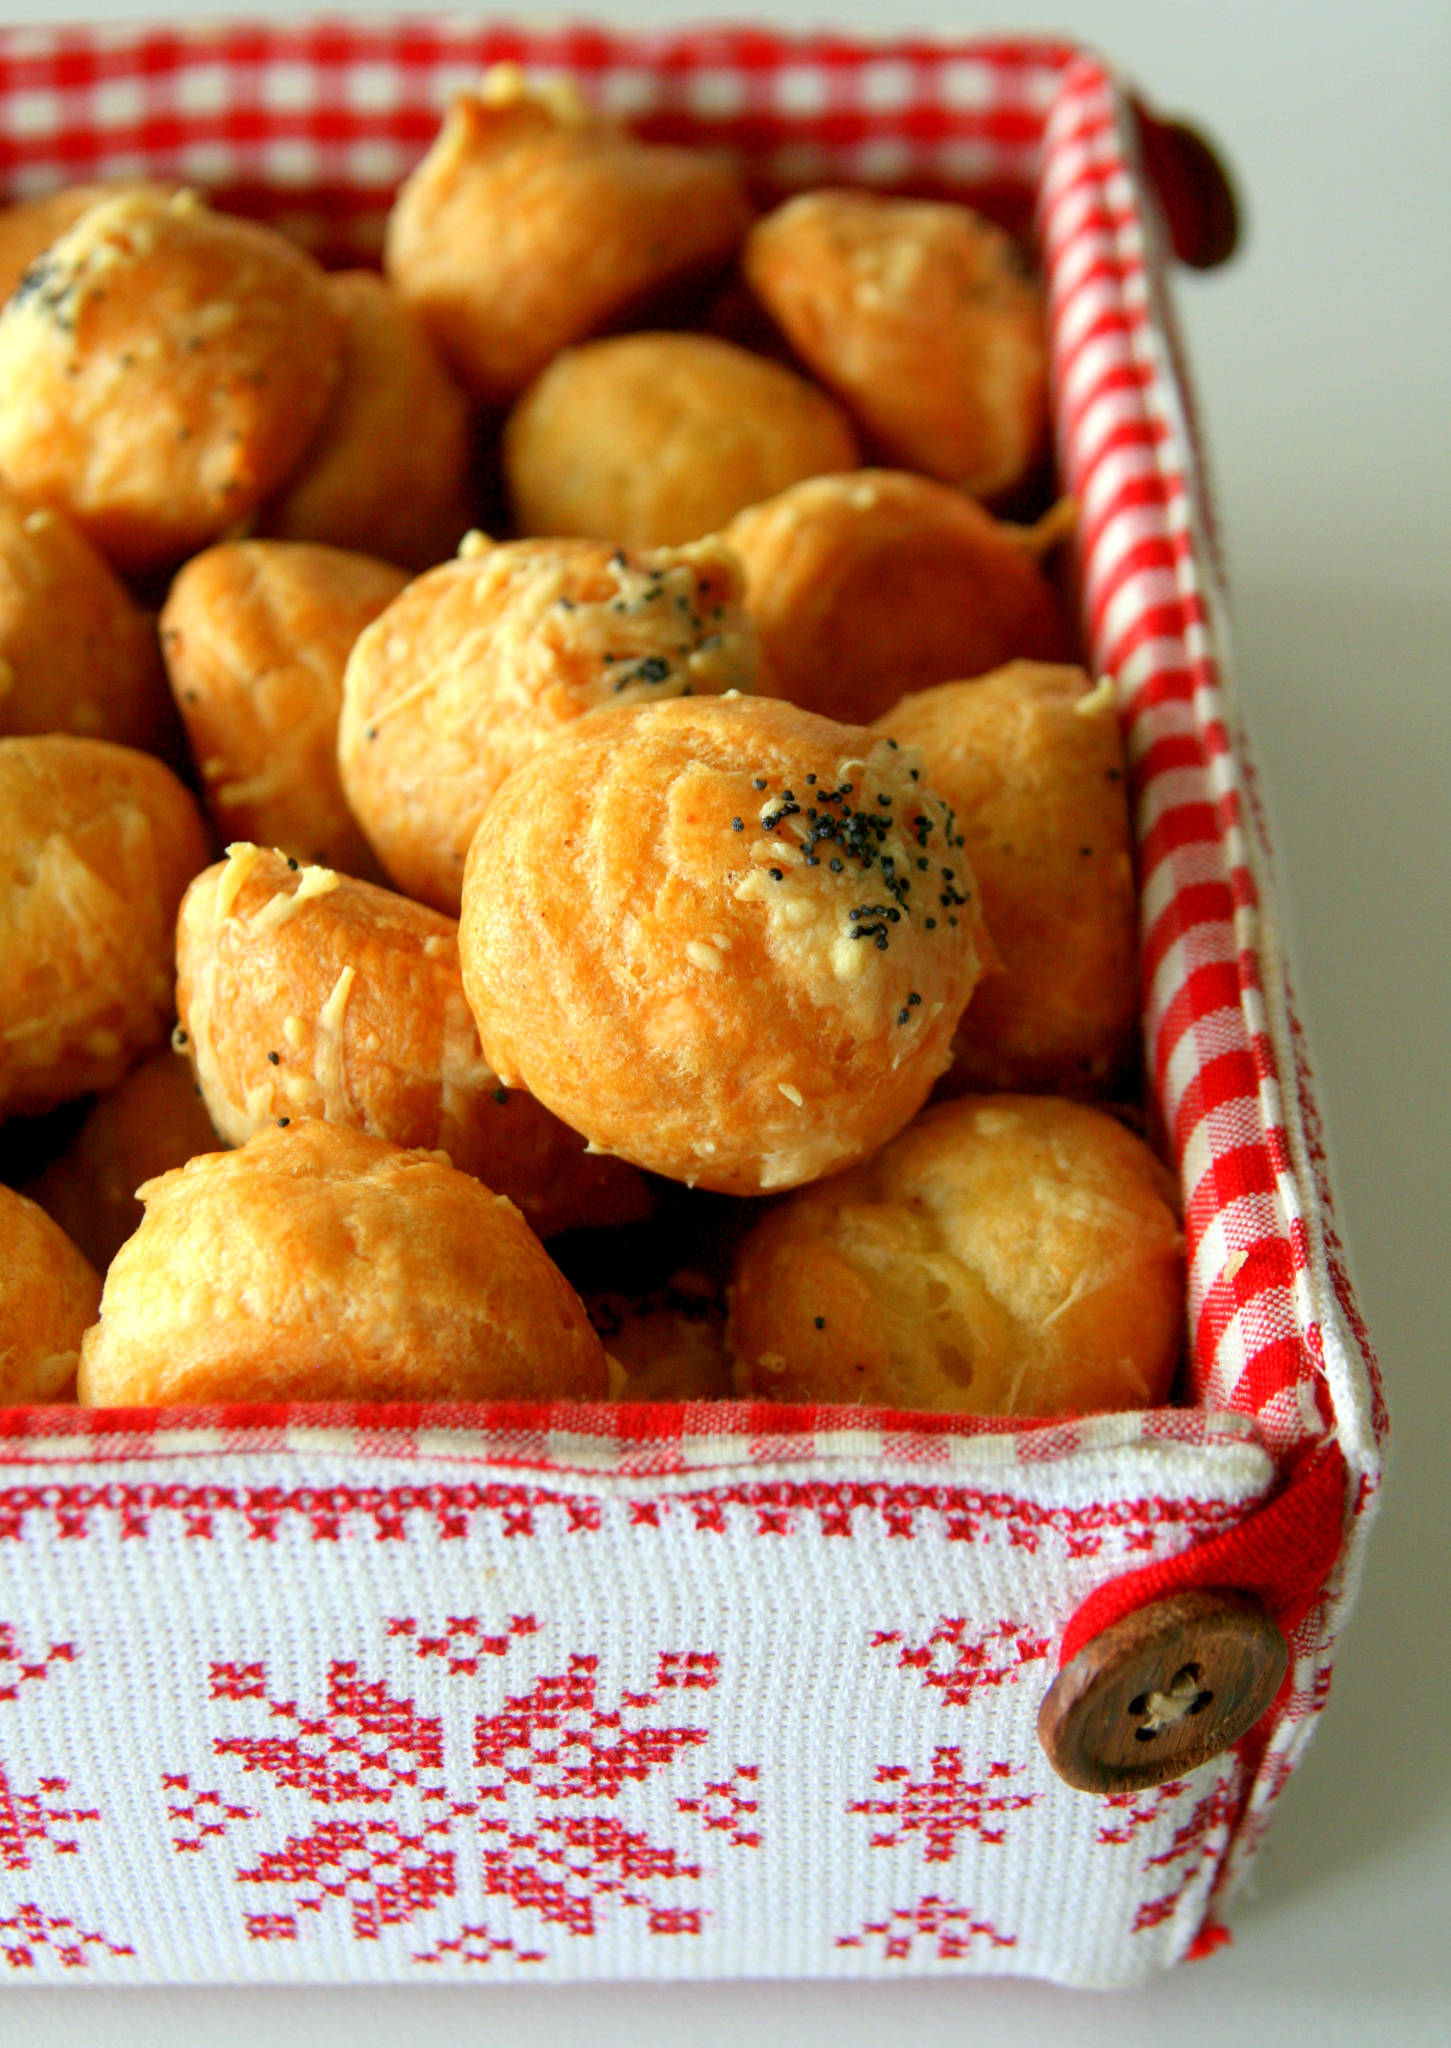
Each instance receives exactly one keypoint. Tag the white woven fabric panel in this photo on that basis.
(556, 1726)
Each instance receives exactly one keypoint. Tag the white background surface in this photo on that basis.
(1320, 358)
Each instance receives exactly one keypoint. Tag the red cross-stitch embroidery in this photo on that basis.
(462, 1640)
(362, 1745)
(29, 1821)
(1195, 1847)
(562, 1742)
(950, 1930)
(194, 1818)
(957, 1664)
(30, 1933)
(944, 1806)
(271, 1927)
(475, 1944)
(17, 1669)
(385, 1875)
(769, 1507)
(724, 1806)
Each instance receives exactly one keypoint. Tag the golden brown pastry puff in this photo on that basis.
(164, 368)
(29, 226)
(532, 223)
(154, 1120)
(668, 1345)
(869, 585)
(319, 1264)
(49, 1293)
(1007, 1255)
(304, 994)
(723, 938)
(654, 439)
(256, 635)
(922, 317)
(97, 843)
(1031, 759)
(388, 467)
(77, 654)
(481, 660)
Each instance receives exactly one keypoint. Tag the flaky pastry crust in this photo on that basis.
(318, 1264)
(302, 993)
(1006, 1255)
(723, 938)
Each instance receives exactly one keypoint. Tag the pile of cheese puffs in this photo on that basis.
(552, 844)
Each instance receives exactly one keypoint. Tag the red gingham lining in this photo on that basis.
(314, 124)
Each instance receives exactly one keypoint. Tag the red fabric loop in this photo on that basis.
(1282, 1554)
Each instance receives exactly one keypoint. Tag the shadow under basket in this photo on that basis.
(546, 1694)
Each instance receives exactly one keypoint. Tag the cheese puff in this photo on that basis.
(725, 939)
(387, 471)
(302, 993)
(654, 439)
(256, 635)
(1032, 761)
(49, 1293)
(1006, 1255)
(319, 1264)
(97, 844)
(153, 1120)
(532, 223)
(922, 317)
(77, 653)
(864, 587)
(481, 660)
(164, 368)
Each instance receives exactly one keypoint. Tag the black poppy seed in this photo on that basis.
(893, 745)
(835, 866)
(904, 1016)
(292, 863)
(953, 922)
(738, 825)
(283, 1122)
(1085, 853)
(914, 999)
(274, 1059)
(776, 874)
(788, 796)
(846, 789)
(501, 1095)
(915, 774)
(812, 861)
(883, 800)
(853, 915)
(372, 731)
(881, 942)
(931, 924)
(948, 875)
(617, 559)
(608, 658)
(811, 782)
(566, 604)
(924, 863)
(758, 782)
(820, 1322)
(1113, 774)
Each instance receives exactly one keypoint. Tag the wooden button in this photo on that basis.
(1162, 1691)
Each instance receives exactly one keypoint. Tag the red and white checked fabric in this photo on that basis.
(994, 1538)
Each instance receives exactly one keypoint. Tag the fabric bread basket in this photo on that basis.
(309, 1695)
